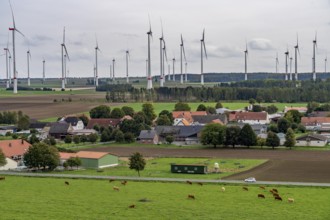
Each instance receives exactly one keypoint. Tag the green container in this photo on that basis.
(188, 168)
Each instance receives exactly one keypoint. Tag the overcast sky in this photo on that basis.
(268, 26)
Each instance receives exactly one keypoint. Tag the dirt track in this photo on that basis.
(283, 165)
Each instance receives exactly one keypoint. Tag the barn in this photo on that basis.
(315, 140)
(96, 160)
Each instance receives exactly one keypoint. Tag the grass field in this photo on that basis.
(160, 167)
(47, 198)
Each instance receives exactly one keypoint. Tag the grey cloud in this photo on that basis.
(260, 44)
(37, 40)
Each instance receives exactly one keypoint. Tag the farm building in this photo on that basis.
(182, 134)
(75, 122)
(148, 137)
(316, 140)
(103, 122)
(60, 129)
(249, 117)
(90, 159)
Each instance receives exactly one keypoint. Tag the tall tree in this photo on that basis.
(102, 111)
(247, 136)
(128, 110)
(293, 116)
(232, 135)
(272, 140)
(201, 107)
(213, 134)
(117, 113)
(163, 120)
(290, 140)
(42, 156)
(137, 162)
(218, 105)
(149, 112)
(182, 106)
(283, 125)
(2, 158)
(168, 113)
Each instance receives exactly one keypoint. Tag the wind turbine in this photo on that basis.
(314, 57)
(9, 73)
(291, 78)
(246, 52)
(186, 78)
(161, 40)
(164, 58)
(65, 72)
(184, 54)
(28, 54)
(276, 62)
(286, 63)
(203, 46)
(13, 29)
(64, 55)
(296, 51)
(113, 69)
(7, 66)
(96, 72)
(325, 64)
(43, 71)
(173, 73)
(149, 33)
(127, 57)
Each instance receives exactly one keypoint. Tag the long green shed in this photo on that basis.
(96, 160)
(189, 168)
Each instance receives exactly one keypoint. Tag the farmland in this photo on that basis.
(50, 198)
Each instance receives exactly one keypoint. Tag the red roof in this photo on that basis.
(314, 120)
(187, 114)
(91, 154)
(105, 122)
(66, 156)
(14, 147)
(248, 116)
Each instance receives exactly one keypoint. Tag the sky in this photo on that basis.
(268, 27)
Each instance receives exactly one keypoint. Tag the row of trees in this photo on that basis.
(216, 134)
(18, 118)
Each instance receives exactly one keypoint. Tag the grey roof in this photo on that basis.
(312, 137)
(59, 128)
(205, 119)
(72, 120)
(147, 134)
(38, 124)
(179, 131)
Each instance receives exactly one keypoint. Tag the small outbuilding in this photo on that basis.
(148, 137)
(96, 160)
(315, 140)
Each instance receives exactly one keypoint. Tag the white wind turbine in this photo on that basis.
(149, 33)
(113, 70)
(161, 40)
(43, 71)
(64, 56)
(286, 63)
(314, 57)
(246, 53)
(127, 57)
(96, 67)
(184, 55)
(7, 64)
(203, 46)
(28, 56)
(296, 51)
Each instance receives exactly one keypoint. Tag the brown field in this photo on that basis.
(282, 165)
(43, 106)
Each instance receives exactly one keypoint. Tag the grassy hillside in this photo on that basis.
(47, 198)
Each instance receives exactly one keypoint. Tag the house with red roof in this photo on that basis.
(14, 149)
(185, 118)
(251, 118)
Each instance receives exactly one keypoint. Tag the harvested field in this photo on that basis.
(283, 165)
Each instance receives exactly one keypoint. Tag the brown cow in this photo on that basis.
(262, 187)
(111, 180)
(275, 190)
(2, 177)
(191, 196)
(278, 198)
(291, 200)
(201, 184)
(276, 195)
(131, 206)
(245, 188)
(66, 183)
(261, 196)
(115, 188)
(188, 182)
(124, 182)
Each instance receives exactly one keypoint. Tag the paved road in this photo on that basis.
(70, 176)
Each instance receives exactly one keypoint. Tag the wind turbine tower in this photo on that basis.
(161, 74)
(149, 33)
(64, 55)
(113, 70)
(14, 29)
(96, 67)
(291, 78)
(164, 58)
(246, 52)
(276, 63)
(127, 56)
(325, 64)
(286, 63)
(296, 51)
(43, 71)
(7, 66)
(173, 73)
(203, 46)
(184, 55)
(314, 57)
(186, 71)
(28, 54)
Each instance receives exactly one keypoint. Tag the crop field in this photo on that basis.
(161, 167)
(50, 198)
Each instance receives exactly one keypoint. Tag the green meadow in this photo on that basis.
(161, 167)
(49, 198)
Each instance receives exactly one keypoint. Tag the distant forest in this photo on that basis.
(267, 90)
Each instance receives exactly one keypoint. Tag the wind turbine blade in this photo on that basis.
(19, 32)
(66, 52)
(12, 14)
(161, 24)
(204, 49)
(165, 52)
(184, 53)
(64, 35)
(150, 32)
(203, 34)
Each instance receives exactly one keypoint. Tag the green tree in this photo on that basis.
(128, 110)
(218, 105)
(247, 136)
(84, 119)
(129, 137)
(272, 140)
(149, 112)
(259, 99)
(261, 141)
(201, 107)
(52, 141)
(23, 122)
(311, 106)
(117, 113)
(211, 110)
(137, 162)
(213, 134)
(252, 101)
(169, 139)
(181, 106)
(83, 138)
(74, 162)
(76, 139)
(101, 111)
(257, 108)
(92, 138)
(232, 135)
(290, 140)
(120, 138)
(272, 109)
(168, 114)
(42, 156)
(293, 116)
(2, 158)
(131, 126)
(301, 128)
(163, 120)
(68, 139)
(105, 135)
(139, 117)
(283, 125)
(273, 127)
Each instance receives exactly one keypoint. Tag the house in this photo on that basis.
(148, 137)
(315, 123)
(76, 123)
(258, 129)
(249, 117)
(60, 129)
(206, 119)
(14, 149)
(91, 159)
(281, 136)
(4, 129)
(187, 115)
(103, 122)
(11, 164)
(299, 109)
(315, 140)
(319, 114)
(182, 134)
(81, 132)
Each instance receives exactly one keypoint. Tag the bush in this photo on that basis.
(129, 137)
(119, 137)
(68, 139)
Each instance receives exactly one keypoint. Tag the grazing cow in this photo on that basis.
(291, 200)
(245, 188)
(2, 178)
(131, 206)
(276, 195)
(275, 190)
(262, 187)
(223, 189)
(191, 196)
(124, 182)
(261, 196)
(111, 180)
(66, 183)
(201, 184)
(188, 182)
(278, 198)
(115, 188)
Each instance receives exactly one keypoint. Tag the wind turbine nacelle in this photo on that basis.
(11, 29)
